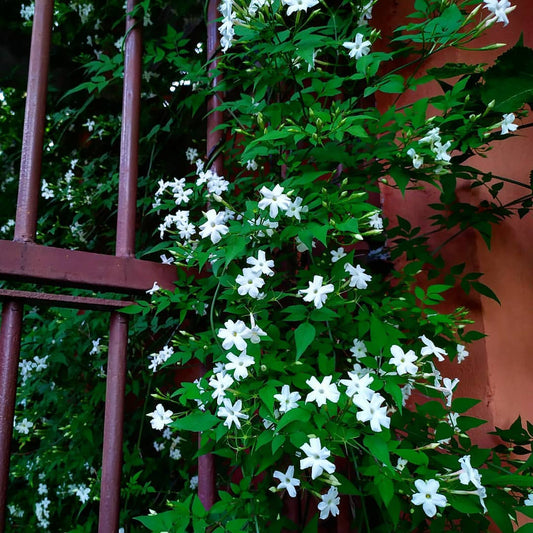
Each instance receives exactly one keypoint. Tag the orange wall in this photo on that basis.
(500, 368)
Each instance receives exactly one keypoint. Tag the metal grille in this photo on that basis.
(22, 259)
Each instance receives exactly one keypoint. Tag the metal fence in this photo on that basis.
(23, 260)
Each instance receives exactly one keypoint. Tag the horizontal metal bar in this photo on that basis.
(63, 300)
(73, 268)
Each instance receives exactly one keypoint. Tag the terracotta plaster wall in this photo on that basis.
(500, 368)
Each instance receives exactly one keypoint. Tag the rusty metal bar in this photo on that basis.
(63, 300)
(113, 425)
(109, 511)
(9, 358)
(56, 266)
(206, 463)
(25, 227)
(129, 141)
(34, 119)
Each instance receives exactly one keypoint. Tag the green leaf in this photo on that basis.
(304, 335)
(393, 83)
(235, 246)
(378, 448)
(464, 504)
(526, 528)
(302, 415)
(266, 393)
(485, 291)
(500, 516)
(412, 456)
(509, 83)
(461, 405)
(197, 421)
(176, 520)
(351, 225)
(385, 488)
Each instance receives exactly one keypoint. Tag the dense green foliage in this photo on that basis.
(286, 259)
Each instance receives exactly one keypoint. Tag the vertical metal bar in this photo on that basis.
(109, 511)
(206, 463)
(25, 226)
(214, 118)
(32, 140)
(113, 425)
(129, 142)
(9, 358)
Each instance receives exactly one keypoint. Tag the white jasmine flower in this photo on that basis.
(287, 481)
(316, 292)
(301, 247)
(358, 349)
(287, 400)
(261, 264)
(499, 8)
(249, 282)
(427, 496)
(175, 454)
(255, 332)
(82, 492)
(274, 199)
(232, 412)
(404, 362)
(155, 287)
(468, 474)
(462, 353)
(358, 48)
(330, 503)
(431, 137)
(239, 364)
(316, 458)
(298, 5)
(226, 27)
(269, 224)
(42, 489)
(431, 349)
(358, 385)
(437, 377)
(418, 160)
(372, 411)
(507, 123)
(401, 464)
(322, 391)
(193, 483)
(24, 426)
(166, 260)
(251, 164)
(214, 226)
(96, 346)
(295, 208)
(375, 221)
(366, 14)
(220, 382)
(234, 334)
(440, 150)
(359, 278)
(46, 192)
(160, 417)
(407, 390)
(529, 500)
(182, 196)
(191, 154)
(447, 389)
(337, 254)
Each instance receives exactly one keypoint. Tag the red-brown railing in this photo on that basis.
(22, 259)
